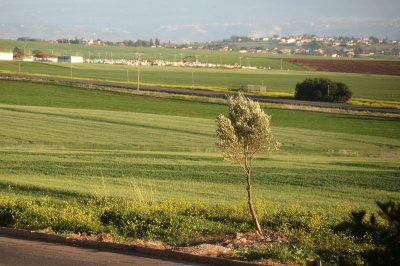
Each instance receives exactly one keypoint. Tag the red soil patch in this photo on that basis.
(350, 66)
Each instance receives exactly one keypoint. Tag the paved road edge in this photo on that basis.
(166, 253)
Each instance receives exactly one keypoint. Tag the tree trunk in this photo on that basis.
(253, 213)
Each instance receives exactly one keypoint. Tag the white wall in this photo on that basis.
(76, 59)
(6, 56)
(70, 59)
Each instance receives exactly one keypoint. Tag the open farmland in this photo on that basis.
(135, 166)
(205, 56)
(367, 78)
(381, 87)
(172, 157)
(133, 143)
(115, 52)
(115, 119)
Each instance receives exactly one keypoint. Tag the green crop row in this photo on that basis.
(325, 160)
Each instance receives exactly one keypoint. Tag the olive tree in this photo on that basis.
(242, 135)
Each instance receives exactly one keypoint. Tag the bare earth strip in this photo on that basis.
(350, 66)
(205, 93)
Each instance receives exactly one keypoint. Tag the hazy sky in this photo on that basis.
(197, 20)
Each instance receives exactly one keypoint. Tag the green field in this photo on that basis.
(51, 95)
(378, 87)
(62, 141)
(214, 57)
(84, 159)
(114, 52)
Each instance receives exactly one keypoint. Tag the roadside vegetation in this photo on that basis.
(179, 223)
(294, 234)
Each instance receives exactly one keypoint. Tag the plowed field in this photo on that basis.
(350, 66)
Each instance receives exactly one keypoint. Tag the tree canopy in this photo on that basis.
(243, 134)
(39, 54)
(18, 52)
(322, 89)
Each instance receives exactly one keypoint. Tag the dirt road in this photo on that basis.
(17, 251)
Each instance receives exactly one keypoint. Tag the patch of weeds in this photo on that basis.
(294, 234)
(278, 253)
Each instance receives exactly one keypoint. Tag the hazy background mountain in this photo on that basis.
(181, 21)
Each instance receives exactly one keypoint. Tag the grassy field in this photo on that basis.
(51, 95)
(68, 151)
(363, 86)
(114, 52)
(63, 142)
(215, 57)
(72, 158)
(378, 87)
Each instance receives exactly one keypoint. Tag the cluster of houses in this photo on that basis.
(302, 40)
(309, 45)
(331, 41)
(294, 45)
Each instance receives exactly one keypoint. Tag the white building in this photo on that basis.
(6, 56)
(70, 59)
(28, 58)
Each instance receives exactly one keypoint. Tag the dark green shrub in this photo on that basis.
(322, 89)
(386, 236)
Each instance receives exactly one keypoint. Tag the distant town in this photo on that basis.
(335, 47)
(291, 45)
